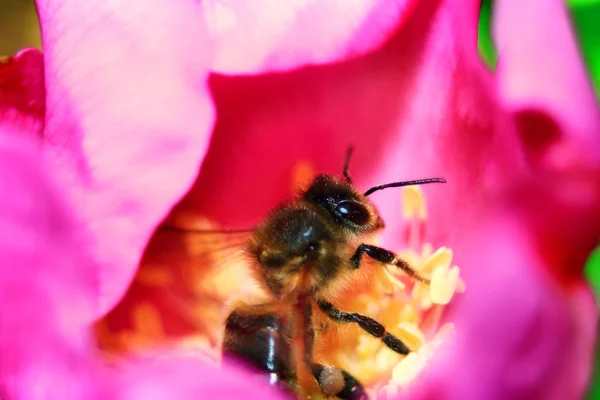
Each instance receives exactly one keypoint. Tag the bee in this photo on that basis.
(304, 253)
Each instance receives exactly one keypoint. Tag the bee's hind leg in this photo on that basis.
(330, 379)
(255, 336)
(333, 381)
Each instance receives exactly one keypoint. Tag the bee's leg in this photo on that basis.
(333, 381)
(260, 340)
(367, 324)
(328, 376)
(386, 257)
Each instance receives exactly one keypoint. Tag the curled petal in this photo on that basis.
(518, 333)
(271, 35)
(54, 369)
(128, 117)
(543, 81)
(562, 213)
(22, 93)
(45, 294)
(47, 284)
(44, 241)
(544, 85)
(173, 377)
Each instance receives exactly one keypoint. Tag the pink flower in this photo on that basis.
(127, 121)
(48, 292)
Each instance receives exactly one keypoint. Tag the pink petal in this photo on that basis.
(562, 212)
(526, 327)
(273, 35)
(544, 83)
(52, 369)
(268, 35)
(43, 239)
(46, 293)
(47, 284)
(173, 377)
(520, 335)
(128, 117)
(22, 93)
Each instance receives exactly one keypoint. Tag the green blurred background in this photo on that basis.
(18, 26)
(19, 29)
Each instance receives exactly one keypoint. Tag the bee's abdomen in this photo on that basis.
(257, 340)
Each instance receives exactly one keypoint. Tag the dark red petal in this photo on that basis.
(422, 105)
(22, 92)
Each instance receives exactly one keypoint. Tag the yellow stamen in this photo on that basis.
(155, 276)
(199, 345)
(441, 258)
(411, 335)
(413, 203)
(408, 368)
(302, 174)
(412, 311)
(395, 281)
(190, 220)
(443, 285)
(147, 321)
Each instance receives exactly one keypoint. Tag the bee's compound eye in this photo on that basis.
(313, 247)
(352, 211)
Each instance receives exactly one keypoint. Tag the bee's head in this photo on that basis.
(344, 204)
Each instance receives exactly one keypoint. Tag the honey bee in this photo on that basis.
(304, 253)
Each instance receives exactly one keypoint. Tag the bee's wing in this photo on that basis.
(205, 245)
(187, 278)
(213, 261)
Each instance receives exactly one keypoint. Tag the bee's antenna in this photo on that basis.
(405, 183)
(347, 163)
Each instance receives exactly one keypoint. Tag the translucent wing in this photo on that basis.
(182, 289)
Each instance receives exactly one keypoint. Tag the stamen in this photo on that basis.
(395, 281)
(147, 321)
(413, 364)
(441, 258)
(302, 174)
(412, 311)
(408, 368)
(443, 284)
(411, 335)
(179, 291)
(199, 345)
(413, 203)
(445, 281)
(155, 276)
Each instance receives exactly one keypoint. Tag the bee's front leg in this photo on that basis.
(386, 257)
